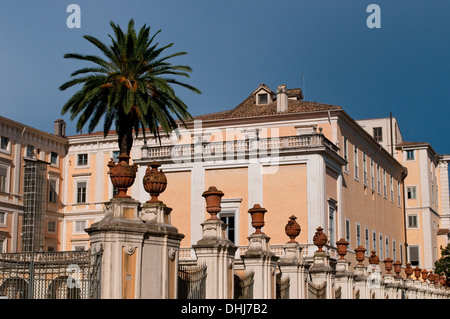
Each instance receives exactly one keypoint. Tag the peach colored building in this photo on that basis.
(31, 165)
(291, 156)
(426, 190)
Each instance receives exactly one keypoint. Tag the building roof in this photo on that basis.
(249, 108)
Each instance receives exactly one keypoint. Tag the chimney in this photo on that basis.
(60, 128)
(282, 98)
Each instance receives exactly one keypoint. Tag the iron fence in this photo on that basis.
(192, 282)
(50, 275)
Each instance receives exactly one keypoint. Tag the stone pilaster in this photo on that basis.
(344, 279)
(119, 234)
(292, 265)
(263, 263)
(160, 248)
(217, 252)
(361, 286)
(321, 272)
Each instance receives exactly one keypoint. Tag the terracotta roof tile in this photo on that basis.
(249, 108)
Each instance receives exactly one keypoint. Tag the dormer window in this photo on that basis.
(262, 98)
(263, 95)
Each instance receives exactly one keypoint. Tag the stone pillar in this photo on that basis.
(120, 234)
(375, 280)
(320, 272)
(445, 194)
(292, 264)
(259, 259)
(343, 276)
(216, 251)
(160, 246)
(390, 289)
(361, 275)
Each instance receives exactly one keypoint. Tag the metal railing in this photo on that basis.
(50, 275)
(192, 282)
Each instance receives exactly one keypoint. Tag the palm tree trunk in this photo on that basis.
(125, 140)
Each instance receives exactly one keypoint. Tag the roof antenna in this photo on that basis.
(303, 88)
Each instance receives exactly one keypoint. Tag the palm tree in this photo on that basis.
(131, 88)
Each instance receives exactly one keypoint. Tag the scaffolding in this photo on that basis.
(35, 181)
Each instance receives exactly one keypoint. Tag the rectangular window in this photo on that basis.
(414, 255)
(79, 248)
(4, 144)
(3, 179)
(262, 98)
(116, 156)
(2, 219)
(231, 229)
(394, 250)
(374, 241)
(372, 173)
(82, 159)
(378, 134)
(387, 247)
(80, 225)
(365, 168)
(379, 178)
(51, 226)
(54, 158)
(367, 239)
(52, 194)
(412, 221)
(346, 153)
(381, 247)
(384, 184)
(358, 235)
(347, 230)
(410, 155)
(30, 151)
(411, 192)
(81, 192)
(356, 163)
(392, 188)
(331, 226)
(399, 194)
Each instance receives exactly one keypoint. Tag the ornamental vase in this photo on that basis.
(408, 270)
(360, 251)
(292, 229)
(342, 248)
(155, 182)
(374, 259)
(257, 214)
(320, 239)
(122, 175)
(398, 267)
(213, 198)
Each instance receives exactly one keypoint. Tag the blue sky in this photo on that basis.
(233, 46)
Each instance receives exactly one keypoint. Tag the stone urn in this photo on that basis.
(257, 215)
(122, 174)
(388, 265)
(374, 259)
(442, 280)
(417, 272)
(408, 270)
(292, 229)
(213, 197)
(342, 248)
(431, 277)
(360, 251)
(424, 274)
(320, 239)
(155, 182)
(397, 267)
